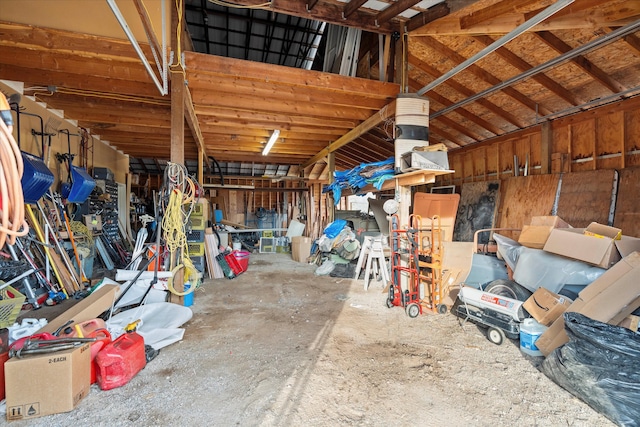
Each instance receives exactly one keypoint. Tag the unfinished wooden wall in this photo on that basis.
(604, 138)
(587, 148)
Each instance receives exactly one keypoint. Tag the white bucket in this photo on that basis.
(530, 331)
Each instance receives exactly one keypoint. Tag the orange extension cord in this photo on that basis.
(12, 222)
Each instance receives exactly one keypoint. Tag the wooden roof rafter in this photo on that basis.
(504, 115)
(435, 96)
(587, 66)
(481, 73)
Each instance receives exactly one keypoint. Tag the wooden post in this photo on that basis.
(331, 161)
(200, 166)
(177, 116)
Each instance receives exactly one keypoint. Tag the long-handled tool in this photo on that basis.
(42, 278)
(54, 267)
(76, 281)
(67, 223)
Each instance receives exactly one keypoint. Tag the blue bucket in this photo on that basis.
(82, 185)
(36, 178)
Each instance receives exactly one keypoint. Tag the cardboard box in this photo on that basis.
(86, 309)
(610, 298)
(536, 234)
(602, 251)
(546, 306)
(47, 384)
(93, 222)
(301, 248)
(630, 322)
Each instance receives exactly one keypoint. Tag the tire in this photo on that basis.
(509, 289)
(413, 310)
(442, 309)
(389, 303)
(495, 335)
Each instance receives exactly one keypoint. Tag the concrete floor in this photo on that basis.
(280, 346)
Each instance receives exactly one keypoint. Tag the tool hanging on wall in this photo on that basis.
(36, 177)
(79, 183)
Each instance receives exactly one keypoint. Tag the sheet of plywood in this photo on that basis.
(586, 197)
(628, 206)
(526, 196)
(477, 208)
(445, 206)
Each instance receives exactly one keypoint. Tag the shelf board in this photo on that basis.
(417, 177)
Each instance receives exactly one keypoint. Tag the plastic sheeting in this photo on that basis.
(535, 268)
(599, 365)
(159, 323)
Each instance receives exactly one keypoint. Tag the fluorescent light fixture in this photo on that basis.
(272, 140)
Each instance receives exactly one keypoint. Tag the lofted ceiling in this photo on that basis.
(584, 55)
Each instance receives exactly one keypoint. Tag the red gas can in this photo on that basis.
(120, 360)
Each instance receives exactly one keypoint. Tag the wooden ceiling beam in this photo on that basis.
(62, 80)
(318, 132)
(455, 125)
(633, 41)
(433, 95)
(193, 124)
(482, 74)
(292, 106)
(280, 75)
(377, 118)
(541, 78)
(583, 14)
(74, 64)
(351, 7)
(327, 11)
(218, 86)
(212, 116)
(393, 10)
(358, 156)
(148, 27)
(233, 156)
(504, 115)
(446, 135)
(438, 11)
(496, 9)
(67, 42)
(380, 151)
(587, 66)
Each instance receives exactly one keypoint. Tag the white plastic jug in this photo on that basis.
(530, 331)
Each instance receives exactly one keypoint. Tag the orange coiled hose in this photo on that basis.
(12, 222)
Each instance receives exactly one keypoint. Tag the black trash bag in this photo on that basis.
(599, 365)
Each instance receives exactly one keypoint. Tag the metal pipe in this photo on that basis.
(123, 23)
(498, 43)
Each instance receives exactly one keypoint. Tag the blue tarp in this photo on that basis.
(359, 177)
